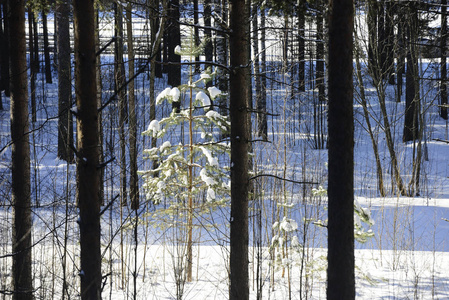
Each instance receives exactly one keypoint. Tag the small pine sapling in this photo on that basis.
(189, 171)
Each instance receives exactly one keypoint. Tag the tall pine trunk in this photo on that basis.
(340, 272)
(20, 154)
(443, 44)
(133, 178)
(121, 92)
(4, 45)
(34, 60)
(412, 101)
(301, 11)
(174, 39)
(240, 143)
(208, 49)
(261, 114)
(47, 59)
(87, 163)
(65, 123)
(221, 49)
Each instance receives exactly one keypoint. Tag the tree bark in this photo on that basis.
(411, 121)
(372, 37)
(340, 272)
(88, 175)
(133, 178)
(65, 123)
(99, 102)
(196, 33)
(20, 154)
(208, 50)
(34, 65)
(119, 82)
(443, 44)
(4, 75)
(260, 105)
(400, 65)
(221, 50)
(320, 54)
(47, 59)
(240, 135)
(174, 34)
(389, 39)
(301, 10)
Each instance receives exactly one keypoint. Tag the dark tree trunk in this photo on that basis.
(340, 272)
(240, 136)
(154, 24)
(196, 33)
(2, 54)
(47, 59)
(301, 11)
(443, 84)
(174, 34)
(164, 48)
(389, 39)
(65, 123)
(320, 53)
(400, 57)
(20, 154)
(119, 83)
(99, 102)
(208, 50)
(260, 104)
(222, 54)
(133, 178)
(4, 75)
(34, 65)
(411, 123)
(285, 43)
(88, 174)
(381, 40)
(372, 36)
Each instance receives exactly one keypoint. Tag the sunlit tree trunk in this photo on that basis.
(340, 272)
(87, 162)
(20, 155)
